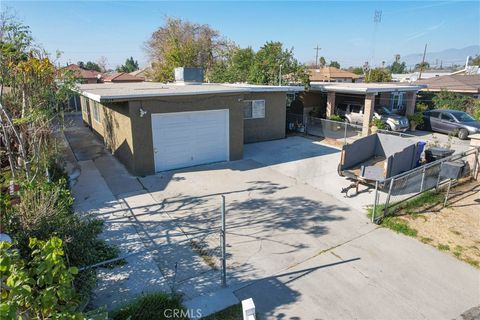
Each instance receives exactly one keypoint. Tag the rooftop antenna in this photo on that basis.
(316, 55)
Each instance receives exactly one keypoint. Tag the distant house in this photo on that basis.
(466, 84)
(84, 75)
(332, 74)
(123, 77)
(142, 73)
(427, 74)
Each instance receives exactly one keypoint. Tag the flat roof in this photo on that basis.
(110, 92)
(362, 88)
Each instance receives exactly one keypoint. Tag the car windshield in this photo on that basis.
(382, 110)
(463, 116)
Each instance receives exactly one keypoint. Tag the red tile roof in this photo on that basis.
(123, 77)
(83, 73)
(328, 73)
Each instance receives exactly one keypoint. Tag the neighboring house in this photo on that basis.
(411, 77)
(142, 73)
(465, 84)
(332, 74)
(84, 75)
(123, 77)
(153, 127)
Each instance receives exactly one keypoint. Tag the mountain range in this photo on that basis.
(445, 57)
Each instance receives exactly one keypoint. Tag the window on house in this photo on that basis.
(254, 109)
(396, 101)
(95, 111)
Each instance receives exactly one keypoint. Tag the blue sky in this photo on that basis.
(86, 30)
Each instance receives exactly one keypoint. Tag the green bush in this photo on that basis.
(378, 123)
(45, 209)
(335, 117)
(39, 288)
(421, 107)
(152, 306)
(416, 117)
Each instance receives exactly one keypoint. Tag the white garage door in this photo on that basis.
(185, 139)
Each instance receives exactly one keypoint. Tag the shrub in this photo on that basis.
(378, 123)
(421, 107)
(45, 210)
(335, 117)
(40, 288)
(152, 306)
(416, 117)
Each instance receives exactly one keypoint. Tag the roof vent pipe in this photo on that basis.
(188, 75)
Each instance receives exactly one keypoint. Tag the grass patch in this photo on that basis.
(231, 313)
(426, 239)
(457, 254)
(152, 306)
(472, 262)
(399, 226)
(443, 247)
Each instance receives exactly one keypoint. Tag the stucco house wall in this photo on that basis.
(129, 135)
(273, 125)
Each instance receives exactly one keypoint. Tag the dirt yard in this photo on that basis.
(455, 228)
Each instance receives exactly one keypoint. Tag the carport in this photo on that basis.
(399, 98)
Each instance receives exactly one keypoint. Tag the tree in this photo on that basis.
(457, 101)
(397, 66)
(268, 61)
(334, 64)
(235, 67)
(181, 43)
(130, 65)
(378, 75)
(475, 60)
(323, 62)
(89, 65)
(356, 70)
(102, 62)
(422, 65)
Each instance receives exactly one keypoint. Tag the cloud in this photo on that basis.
(426, 31)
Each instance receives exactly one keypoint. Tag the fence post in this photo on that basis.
(345, 133)
(388, 197)
(423, 179)
(475, 165)
(223, 235)
(375, 202)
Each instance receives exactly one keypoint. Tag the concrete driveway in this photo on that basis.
(299, 248)
(294, 244)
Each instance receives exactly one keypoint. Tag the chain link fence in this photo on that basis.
(177, 249)
(391, 192)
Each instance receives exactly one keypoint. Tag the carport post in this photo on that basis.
(223, 234)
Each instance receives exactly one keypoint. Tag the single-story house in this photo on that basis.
(399, 98)
(152, 127)
(332, 74)
(123, 77)
(84, 75)
(465, 84)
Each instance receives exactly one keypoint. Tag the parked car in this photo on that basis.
(352, 112)
(451, 122)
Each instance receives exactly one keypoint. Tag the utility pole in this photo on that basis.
(316, 55)
(423, 62)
